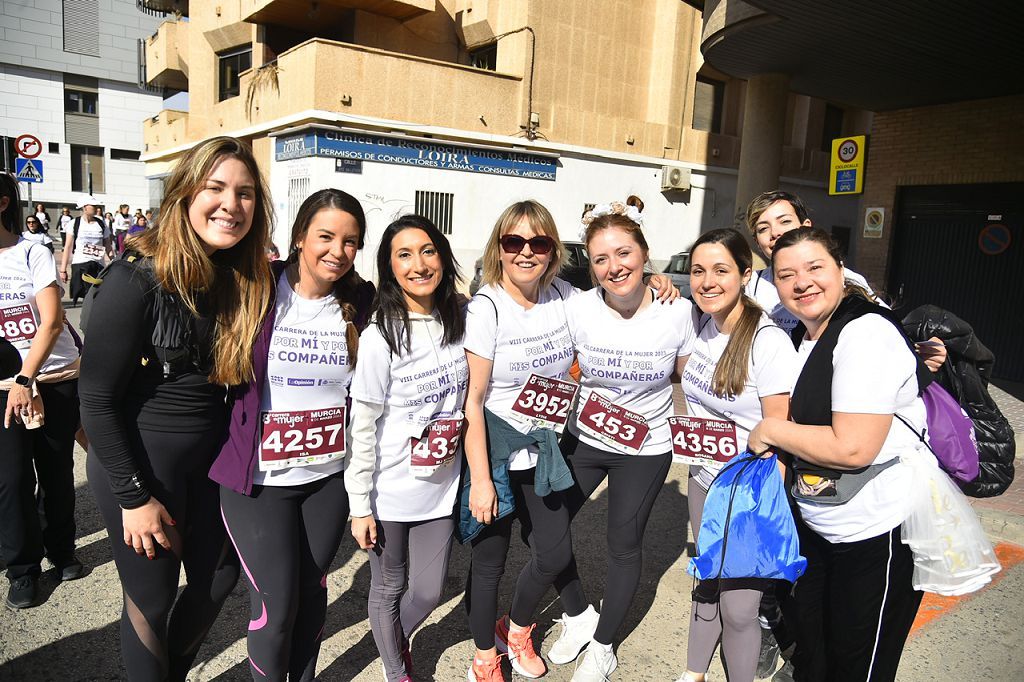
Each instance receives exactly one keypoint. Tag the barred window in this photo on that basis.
(438, 207)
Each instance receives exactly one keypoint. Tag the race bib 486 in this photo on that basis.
(17, 323)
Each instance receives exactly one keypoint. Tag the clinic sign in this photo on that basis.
(846, 174)
(407, 151)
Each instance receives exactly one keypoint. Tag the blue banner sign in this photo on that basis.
(341, 144)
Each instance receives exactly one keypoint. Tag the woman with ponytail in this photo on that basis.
(173, 323)
(741, 370)
(281, 471)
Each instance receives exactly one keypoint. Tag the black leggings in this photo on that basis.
(633, 485)
(544, 525)
(286, 539)
(49, 453)
(161, 631)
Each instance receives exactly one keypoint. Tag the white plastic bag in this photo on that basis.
(952, 555)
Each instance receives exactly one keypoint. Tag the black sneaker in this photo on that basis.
(769, 656)
(22, 593)
(72, 570)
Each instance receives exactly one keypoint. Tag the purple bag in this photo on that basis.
(949, 434)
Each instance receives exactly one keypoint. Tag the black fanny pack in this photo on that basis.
(831, 486)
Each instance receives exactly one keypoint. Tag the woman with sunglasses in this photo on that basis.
(35, 231)
(515, 328)
(407, 395)
(517, 341)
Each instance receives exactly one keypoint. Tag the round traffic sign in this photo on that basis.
(847, 151)
(28, 146)
(994, 239)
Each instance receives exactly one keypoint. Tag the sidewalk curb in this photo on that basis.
(999, 525)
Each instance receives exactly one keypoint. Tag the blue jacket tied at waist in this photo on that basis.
(552, 474)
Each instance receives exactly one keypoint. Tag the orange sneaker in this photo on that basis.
(483, 670)
(519, 647)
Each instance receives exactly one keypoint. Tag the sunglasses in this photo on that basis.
(513, 243)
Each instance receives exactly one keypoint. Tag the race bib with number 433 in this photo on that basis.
(436, 447)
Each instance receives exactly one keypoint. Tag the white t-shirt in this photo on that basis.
(89, 242)
(772, 370)
(422, 385)
(26, 269)
(65, 220)
(122, 222)
(761, 288)
(873, 373)
(307, 369)
(519, 342)
(630, 362)
(43, 219)
(37, 237)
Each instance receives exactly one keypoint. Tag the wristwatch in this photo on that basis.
(23, 380)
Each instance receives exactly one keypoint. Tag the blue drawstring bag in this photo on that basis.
(747, 521)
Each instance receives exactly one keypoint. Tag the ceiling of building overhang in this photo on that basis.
(873, 54)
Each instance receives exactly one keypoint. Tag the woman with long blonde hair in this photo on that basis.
(172, 326)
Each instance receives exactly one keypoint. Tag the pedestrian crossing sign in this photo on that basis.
(28, 170)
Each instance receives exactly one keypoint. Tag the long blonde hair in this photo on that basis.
(237, 280)
(541, 222)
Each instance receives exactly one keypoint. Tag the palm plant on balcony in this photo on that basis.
(264, 78)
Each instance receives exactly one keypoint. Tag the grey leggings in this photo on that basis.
(397, 605)
(733, 619)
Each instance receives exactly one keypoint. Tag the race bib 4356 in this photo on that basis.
(702, 441)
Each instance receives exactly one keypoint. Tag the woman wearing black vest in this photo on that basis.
(168, 331)
(854, 606)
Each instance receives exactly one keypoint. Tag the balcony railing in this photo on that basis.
(161, 8)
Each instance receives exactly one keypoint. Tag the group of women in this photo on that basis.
(240, 411)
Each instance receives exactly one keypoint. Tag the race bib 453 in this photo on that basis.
(621, 429)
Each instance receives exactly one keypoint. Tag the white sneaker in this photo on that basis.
(577, 631)
(598, 664)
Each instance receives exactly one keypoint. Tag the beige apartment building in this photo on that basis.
(455, 108)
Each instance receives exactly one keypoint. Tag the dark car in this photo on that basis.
(575, 270)
(678, 270)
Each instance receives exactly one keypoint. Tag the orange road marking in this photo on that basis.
(934, 606)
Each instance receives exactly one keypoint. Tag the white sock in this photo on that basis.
(606, 648)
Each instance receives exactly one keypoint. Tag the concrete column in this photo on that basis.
(764, 124)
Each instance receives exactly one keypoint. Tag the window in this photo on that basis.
(53, 147)
(832, 127)
(708, 101)
(438, 207)
(124, 155)
(80, 102)
(82, 27)
(485, 57)
(229, 65)
(86, 169)
(298, 191)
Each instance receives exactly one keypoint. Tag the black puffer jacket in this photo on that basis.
(965, 374)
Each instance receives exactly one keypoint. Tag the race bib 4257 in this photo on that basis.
(301, 438)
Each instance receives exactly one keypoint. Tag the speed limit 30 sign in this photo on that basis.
(846, 174)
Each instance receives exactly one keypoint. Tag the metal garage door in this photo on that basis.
(961, 247)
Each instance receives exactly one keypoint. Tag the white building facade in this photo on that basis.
(69, 77)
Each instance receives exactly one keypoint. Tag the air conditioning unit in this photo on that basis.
(674, 178)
